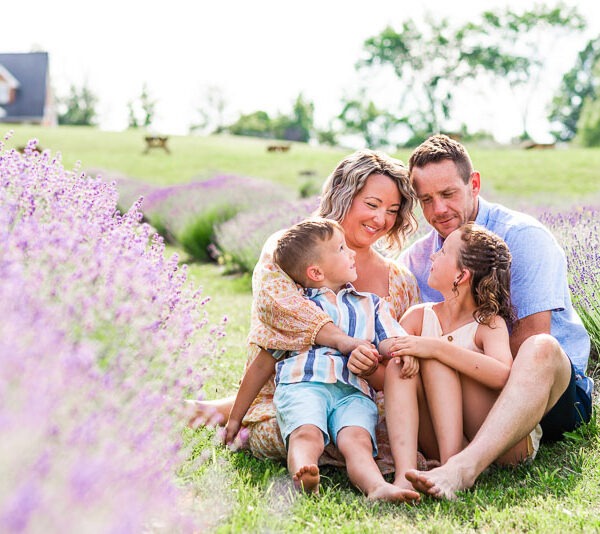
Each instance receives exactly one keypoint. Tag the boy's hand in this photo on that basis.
(364, 360)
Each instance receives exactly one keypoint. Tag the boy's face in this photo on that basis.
(337, 262)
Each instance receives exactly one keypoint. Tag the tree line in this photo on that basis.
(429, 63)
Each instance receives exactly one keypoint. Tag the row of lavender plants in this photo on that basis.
(187, 214)
(101, 337)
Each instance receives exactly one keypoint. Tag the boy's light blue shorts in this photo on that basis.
(330, 407)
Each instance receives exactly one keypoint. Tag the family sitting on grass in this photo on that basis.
(488, 356)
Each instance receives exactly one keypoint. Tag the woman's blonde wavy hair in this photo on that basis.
(350, 176)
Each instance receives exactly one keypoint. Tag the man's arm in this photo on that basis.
(537, 323)
(256, 375)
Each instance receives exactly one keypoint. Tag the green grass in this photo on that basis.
(560, 492)
(568, 172)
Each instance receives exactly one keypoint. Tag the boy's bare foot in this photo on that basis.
(442, 482)
(391, 493)
(208, 413)
(307, 478)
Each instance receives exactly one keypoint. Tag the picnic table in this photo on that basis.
(156, 141)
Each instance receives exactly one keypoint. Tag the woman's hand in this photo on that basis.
(231, 431)
(410, 366)
(417, 346)
(364, 359)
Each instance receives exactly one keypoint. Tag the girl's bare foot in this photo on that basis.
(391, 493)
(307, 478)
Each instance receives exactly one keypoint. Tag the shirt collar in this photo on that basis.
(312, 292)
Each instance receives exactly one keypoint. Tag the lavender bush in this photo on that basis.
(240, 240)
(188, 213)
(578, 230)
(98, 332)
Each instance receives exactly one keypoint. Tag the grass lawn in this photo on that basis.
(559, 492)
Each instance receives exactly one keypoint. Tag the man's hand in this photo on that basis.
(364, 360)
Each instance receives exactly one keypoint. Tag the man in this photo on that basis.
(547, 383)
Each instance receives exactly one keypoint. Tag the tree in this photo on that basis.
(361, 116)
(514, 47)
(257, 124)
(428, 65)
(211, 113)
(141, 112)
(297, 126)
(580, 83)
(80, 107)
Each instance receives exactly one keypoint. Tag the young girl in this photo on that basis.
(463, 347)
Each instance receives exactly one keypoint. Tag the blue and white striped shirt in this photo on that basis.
(358, 314)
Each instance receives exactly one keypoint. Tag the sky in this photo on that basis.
(260, 54)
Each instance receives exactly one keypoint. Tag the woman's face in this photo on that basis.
(373, 212)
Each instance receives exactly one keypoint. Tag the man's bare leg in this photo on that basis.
(209, 413)
(539, 376)
(355, 445)
(306, 444)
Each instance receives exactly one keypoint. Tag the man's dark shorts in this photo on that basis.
(573, 408)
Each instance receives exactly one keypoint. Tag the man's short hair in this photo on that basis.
(438, 148)
(298, 248)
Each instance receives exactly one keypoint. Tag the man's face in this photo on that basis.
(447, 202)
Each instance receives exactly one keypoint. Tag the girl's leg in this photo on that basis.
(444, 397)
(402, 420)
(209, 413)
(355, 444)
(306, 444)
(477, 403)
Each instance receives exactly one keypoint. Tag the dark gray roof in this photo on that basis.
(31, 70)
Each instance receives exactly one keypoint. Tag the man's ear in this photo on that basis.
(475, 182)
(314, 273)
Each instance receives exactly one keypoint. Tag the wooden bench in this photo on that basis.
(538, 146)
(155, 141)
(278, 148)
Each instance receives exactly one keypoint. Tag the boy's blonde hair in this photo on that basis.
(298, 247)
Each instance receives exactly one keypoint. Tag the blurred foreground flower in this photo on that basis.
(98, 331)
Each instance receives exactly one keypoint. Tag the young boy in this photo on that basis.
(317, 398)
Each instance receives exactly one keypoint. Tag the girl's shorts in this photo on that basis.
(330, 407)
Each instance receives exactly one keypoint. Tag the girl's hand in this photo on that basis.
(364, 360)
(418, 346)
(410, 366)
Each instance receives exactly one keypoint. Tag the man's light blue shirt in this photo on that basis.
(538, 275)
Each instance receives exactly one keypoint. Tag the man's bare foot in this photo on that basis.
(307, 478)
(209, 413)
(391, 493)
(442, 482)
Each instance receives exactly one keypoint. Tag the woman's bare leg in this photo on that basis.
(209, 413)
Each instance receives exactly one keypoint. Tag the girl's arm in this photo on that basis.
(258, 372)
(490, 368)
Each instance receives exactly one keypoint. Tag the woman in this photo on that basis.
(370, 195)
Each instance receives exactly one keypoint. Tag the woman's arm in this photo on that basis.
(256, 375)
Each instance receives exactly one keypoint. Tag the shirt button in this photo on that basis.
(450, 338)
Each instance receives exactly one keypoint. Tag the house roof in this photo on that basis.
(8, 77)
(31, 72)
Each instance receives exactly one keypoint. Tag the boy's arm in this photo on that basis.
(258, 372)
